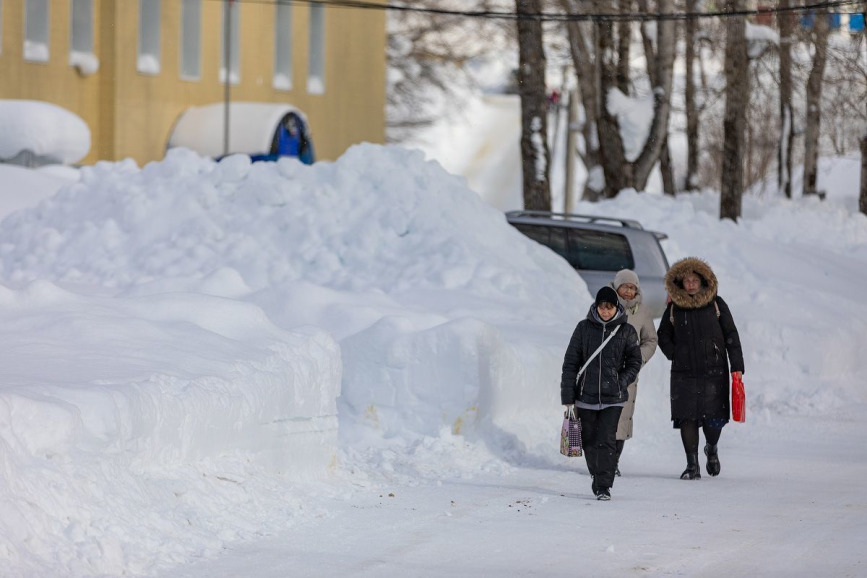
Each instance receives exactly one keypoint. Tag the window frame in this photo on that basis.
(235, 48)
(283, 53)
(147, 44)
(187, 37)
(316, 46)
(30, 53)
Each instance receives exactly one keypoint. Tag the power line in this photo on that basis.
(826, 6)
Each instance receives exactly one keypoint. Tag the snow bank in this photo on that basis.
(183, 340)
(114, 407)
(24, 188)
(44, 129)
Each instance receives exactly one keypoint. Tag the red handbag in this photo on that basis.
(739, 402)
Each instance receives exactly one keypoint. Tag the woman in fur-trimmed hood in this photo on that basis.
(698, 334)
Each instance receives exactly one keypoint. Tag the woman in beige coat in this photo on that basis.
(629, 291)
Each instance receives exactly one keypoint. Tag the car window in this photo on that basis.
(599, 251)
(552, 237)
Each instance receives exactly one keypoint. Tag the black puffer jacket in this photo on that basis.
(606, 378)
(700, 344)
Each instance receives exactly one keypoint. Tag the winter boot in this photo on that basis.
(692, 471)
(713, 465)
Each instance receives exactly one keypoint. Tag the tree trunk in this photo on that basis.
(666, 37)
(583, 59)
(618, 171)
(624, 41)
(666, 167)
(692, 119)
(862, 198)
(534, 116)
(735, 120)
(784, 150)
(821, 29)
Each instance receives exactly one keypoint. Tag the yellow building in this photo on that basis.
(129, 68)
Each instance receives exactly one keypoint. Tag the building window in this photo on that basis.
(191, 34)
(36, 30)
(233, 14)
(283, 47)
(81, 54)
(149, 36)
(316, 64)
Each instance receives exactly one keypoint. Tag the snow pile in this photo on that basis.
(199, 352)
(117, 407)
(24, 188)
(44, 129)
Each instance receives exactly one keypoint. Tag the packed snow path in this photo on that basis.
(789, 502)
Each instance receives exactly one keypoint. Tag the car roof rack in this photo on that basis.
(629, 223)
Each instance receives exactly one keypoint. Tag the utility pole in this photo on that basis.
(227, 57)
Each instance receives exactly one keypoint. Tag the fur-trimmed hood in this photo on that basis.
(674, 283)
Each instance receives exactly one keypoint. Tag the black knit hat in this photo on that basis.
(606, 295)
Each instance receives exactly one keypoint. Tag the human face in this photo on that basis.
(692, 283)
(606, 311)
(627, 291)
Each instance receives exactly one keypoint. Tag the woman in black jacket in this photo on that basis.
(600, 393)
(698, 334)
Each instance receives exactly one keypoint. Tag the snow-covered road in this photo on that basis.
(789, 502)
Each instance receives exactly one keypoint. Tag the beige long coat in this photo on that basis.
(641, 319)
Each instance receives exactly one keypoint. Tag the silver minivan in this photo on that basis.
(598, 247)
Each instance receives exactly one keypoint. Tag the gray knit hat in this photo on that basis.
(625, 276)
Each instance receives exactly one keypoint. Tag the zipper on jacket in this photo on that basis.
(600, 365)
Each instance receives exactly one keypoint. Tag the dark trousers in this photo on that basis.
(599, 434)
(689, 435)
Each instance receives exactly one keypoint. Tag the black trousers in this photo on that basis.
(599, 434)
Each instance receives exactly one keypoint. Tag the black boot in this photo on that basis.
(593, 486)
(692, 471)
(713, 465)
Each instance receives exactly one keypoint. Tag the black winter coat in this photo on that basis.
(700, 345)
(606, 378)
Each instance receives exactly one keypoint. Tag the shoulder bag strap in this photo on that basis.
(595, 353)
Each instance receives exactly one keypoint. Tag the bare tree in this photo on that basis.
(735, 119)
(692, 113)
(862, 197)
(784, 149)
(821, 29)
(666, 167)
(534, 115)
(585, 64)
(610, 74)
(427, 57)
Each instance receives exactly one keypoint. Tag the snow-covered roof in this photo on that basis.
(44, 129)
(251, 127)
